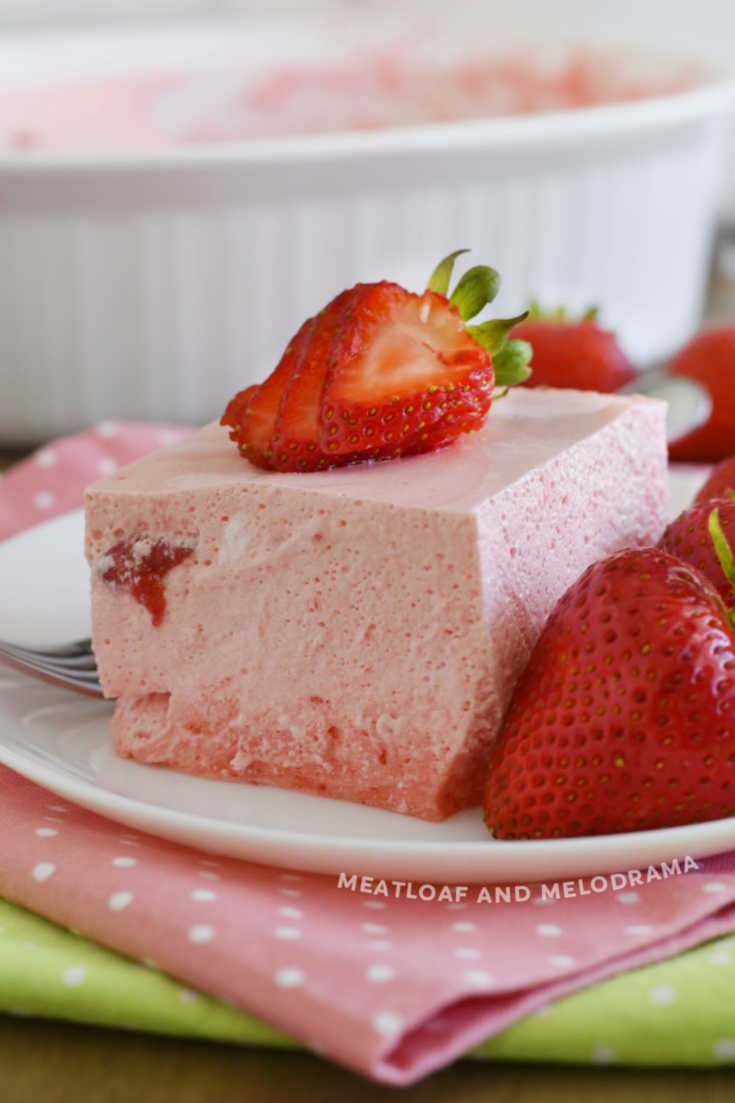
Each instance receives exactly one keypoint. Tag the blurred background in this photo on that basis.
(182, 181)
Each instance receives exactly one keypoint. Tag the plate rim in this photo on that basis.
(697, 840)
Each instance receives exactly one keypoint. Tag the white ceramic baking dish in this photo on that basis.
(154, 285)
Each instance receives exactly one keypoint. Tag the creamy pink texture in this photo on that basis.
(364, 91)
(357, 633)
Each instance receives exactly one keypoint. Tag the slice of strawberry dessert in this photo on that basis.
(342, 603)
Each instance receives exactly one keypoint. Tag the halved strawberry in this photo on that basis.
(237, 409)
(252, 413)
(380, 373)
(465, 410)
(400, 364)
(295, 441)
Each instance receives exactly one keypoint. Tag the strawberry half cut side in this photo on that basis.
(400, 365)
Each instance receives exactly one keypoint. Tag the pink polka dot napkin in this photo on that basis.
(392, 987)
(53, 480)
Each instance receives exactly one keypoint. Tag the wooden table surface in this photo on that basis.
(44, 1062)
(56, 1062)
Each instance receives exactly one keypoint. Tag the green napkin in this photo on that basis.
(676, 1012)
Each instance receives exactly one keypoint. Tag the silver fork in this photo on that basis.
(71, 665)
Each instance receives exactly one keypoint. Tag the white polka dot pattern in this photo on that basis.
(287, 934)
(108, 429)
(662, 994)
(724, 1049)
(289, 977)
(119, 900)
(43, 500)
(74, 976)
(201, 932)
(379, 973)
(562, 961)
(478, 978)
(627, 897)
(43, 871)
(548, 930)
(387, 1023)
(294, 937)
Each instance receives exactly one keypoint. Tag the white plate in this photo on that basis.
(61, 741)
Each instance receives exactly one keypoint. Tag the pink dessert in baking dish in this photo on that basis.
(357, 632)
(364, 90)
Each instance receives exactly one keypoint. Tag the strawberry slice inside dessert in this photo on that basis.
(140, 565)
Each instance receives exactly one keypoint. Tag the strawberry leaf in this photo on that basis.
(477, 288)
(493, 335)
(442, 274)
(512, 363)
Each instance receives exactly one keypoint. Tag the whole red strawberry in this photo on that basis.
(624, 718)
(703, 536)
(574, 353)
(710, 359)
(721, 483)
(380, 373)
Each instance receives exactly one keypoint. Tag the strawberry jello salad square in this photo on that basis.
(292, 616)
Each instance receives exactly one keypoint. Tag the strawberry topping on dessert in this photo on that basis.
(140, 564)
(624, 718)
(380, 373)
(575, 353)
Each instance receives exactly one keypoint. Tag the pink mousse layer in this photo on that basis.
(357, 633)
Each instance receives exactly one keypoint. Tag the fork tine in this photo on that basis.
(62, 662)
(61, 668)
(87, 677)
(87, 686)
(63, 650)
(76, 648)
